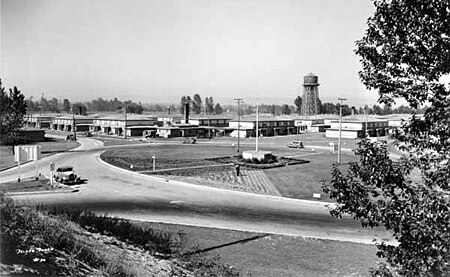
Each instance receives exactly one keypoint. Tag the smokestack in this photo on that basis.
(168, 110)
(186, 112)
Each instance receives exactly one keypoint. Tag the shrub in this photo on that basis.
(149, 239)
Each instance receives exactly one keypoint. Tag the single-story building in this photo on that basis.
(179, 130)
(267, 126)
(33, 134)
(135, 131)
(356, 128)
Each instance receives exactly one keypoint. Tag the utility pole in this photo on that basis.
(257, 124)
(365, 129)
(40, 116)
(239, 100)
(340, 128)
(125, 125)
(73, 122)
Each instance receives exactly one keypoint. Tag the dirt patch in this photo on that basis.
(31, 185)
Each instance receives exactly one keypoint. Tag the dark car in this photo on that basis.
(66, 175)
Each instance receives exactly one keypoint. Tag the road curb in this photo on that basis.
(324, 204)
(40, 192)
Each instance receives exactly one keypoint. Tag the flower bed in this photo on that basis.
(280, 161)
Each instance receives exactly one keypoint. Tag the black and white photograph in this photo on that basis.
(227, 138)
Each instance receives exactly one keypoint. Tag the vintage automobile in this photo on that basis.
(189, 141)
(66, 175)
(295, 144)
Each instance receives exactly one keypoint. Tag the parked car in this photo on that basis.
(66, 175)
(70, 137)
(295, 144)
(189, 140)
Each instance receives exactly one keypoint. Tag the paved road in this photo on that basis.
(130, 195)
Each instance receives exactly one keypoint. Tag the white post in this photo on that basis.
(36, 173)
(154, 162)
(18, 170)
(52, 168)
(17, 157)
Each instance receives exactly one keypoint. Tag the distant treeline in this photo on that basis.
(198, 106)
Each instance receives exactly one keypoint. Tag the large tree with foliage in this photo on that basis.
(209, 105)
(285, 109)
(13, 107)
(405, 53)
(298, 104)
(197, 104)
(66, 105)
(218, 109)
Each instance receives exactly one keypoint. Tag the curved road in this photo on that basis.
(125, 194)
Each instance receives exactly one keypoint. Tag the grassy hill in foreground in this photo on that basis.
(38, 241)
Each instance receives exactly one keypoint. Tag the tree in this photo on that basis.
(285, 109)
(298, 104)
(66, 105)
(218, 109)
(79, 109)
(13, 107)
(404, 54)
(197, 104)
(329, 108)
(184, 100)
(209, 105)
(273, 109)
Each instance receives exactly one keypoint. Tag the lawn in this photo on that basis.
(301, 181)
(48, 147)
(167, 156)
(276, 255)
(293, 181)
(42, 184)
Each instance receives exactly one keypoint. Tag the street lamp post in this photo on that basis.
(239, 100)
(74, 124)
(125, 123)
(257, 124)
(340, 129)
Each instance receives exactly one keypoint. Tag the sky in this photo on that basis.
(156, 51)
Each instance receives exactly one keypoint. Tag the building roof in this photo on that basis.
(206, 117)
(142, 127)
(261, 118)
(121, 117)
(70, 117)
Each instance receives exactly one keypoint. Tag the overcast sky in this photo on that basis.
(159, 50)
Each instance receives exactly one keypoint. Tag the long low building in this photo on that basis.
(355, 128)
(267, 126)
(116, 124)
(66, 122)
(42, 121)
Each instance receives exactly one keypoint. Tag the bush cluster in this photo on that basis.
(269, 159)
(35, 240)
(46, 242)
(149, 239)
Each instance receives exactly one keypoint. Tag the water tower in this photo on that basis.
(310, 99)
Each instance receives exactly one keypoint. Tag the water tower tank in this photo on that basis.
(310, 80)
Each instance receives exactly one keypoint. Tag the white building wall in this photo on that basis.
(346, 134)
